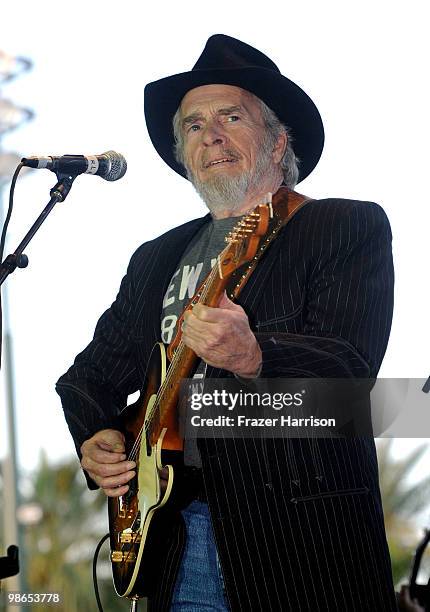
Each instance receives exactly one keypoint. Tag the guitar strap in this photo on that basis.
(286, 203)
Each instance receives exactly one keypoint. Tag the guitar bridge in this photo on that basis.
(119, 557)
(130, 537)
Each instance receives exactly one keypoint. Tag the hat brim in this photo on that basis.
(290, 103)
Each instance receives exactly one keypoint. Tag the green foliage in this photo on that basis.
(59, 549)
(403, 502)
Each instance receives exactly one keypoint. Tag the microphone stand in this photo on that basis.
(17, 259)
(9, 566)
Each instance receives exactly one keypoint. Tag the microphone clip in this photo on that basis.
(61, 189)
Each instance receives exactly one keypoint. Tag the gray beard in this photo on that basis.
(227, 193)
(223, 193)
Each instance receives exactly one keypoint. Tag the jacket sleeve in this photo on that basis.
(349, 299)
(95, 388)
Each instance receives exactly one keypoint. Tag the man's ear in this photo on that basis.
(280, 147)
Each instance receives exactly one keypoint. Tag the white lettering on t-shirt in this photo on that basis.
(167, 328)
(170, 300)
(189, 280)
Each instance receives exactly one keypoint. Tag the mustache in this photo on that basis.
(230, 154)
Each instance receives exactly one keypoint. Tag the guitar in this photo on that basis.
(151, 425)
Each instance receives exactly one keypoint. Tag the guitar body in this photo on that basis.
(131, 516)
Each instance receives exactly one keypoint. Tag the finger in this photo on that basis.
(209, 325)
(211, 342)
(116, 491)
(101, 456)
(110, 439)
(215, 342)
(110, 491)
(116, 448)
(227, 304)
(207, 338)
(106, 439)
(204, 313)
(116, 481)
(104, 470)
(202, 347)
(233, 315)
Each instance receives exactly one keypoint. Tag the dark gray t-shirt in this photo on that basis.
(196, 263)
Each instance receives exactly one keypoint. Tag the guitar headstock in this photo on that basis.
(244, 239)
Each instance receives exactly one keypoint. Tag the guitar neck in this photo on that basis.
(183, 360)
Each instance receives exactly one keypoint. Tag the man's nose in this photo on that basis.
(213, 134)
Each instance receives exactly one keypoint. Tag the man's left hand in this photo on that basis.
(223, 338)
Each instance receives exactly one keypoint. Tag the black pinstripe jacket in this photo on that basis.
(298, 523)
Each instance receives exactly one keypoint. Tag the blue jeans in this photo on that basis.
(199, 586)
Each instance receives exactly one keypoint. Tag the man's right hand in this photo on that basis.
(103, 457)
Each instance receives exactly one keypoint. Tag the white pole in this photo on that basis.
(11, 532)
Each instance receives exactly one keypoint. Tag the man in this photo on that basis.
(297, 523)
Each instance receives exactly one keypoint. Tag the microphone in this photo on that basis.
(111, 166)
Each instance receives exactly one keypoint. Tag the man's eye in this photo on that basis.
(233, 118)
(194, 128)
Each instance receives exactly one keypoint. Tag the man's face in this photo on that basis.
(223, 131)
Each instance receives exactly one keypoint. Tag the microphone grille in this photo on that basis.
(118, 166)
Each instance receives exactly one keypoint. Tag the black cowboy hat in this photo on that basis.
(228, 61)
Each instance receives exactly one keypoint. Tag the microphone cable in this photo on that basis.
(3, 240)
(9, 210)
(96, 555)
